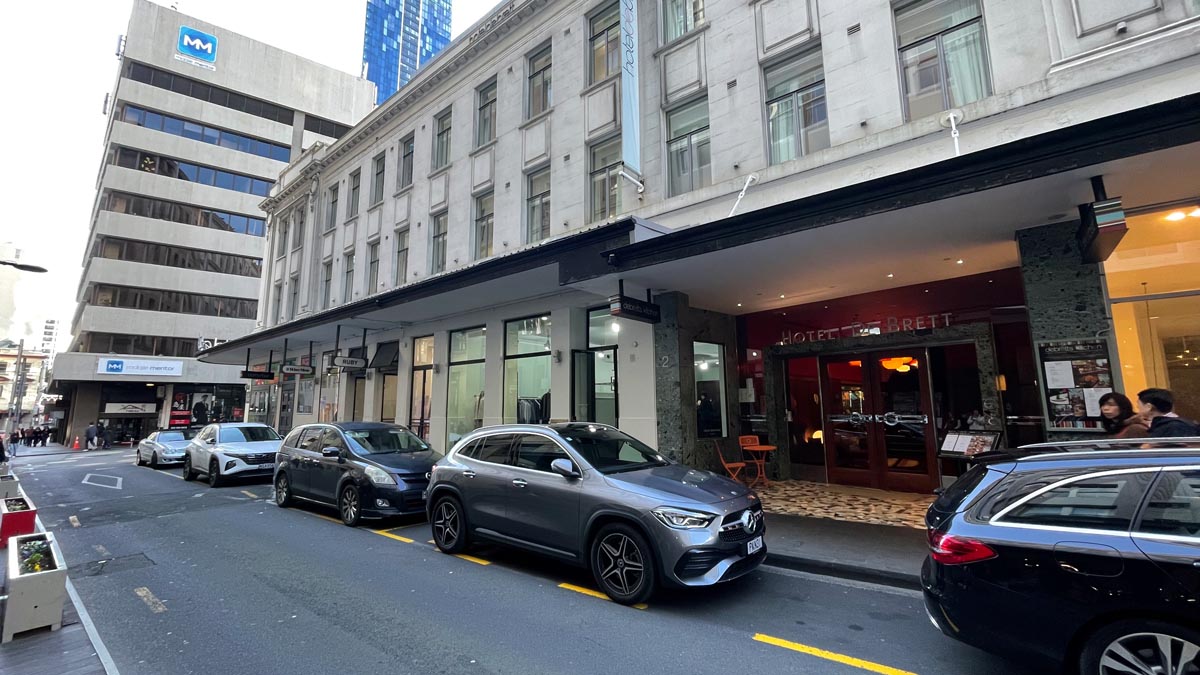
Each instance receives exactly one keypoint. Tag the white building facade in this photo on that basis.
(858, 164)
(201, 121)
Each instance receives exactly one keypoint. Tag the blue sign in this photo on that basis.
(197, 44)
(114, 366)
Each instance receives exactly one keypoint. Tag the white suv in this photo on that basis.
(222, 450)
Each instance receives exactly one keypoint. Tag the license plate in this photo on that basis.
(754, 546)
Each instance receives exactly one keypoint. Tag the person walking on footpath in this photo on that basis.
(90, 436)
(1119, 419)
(1157, 406)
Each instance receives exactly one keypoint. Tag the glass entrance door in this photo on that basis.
(594, 385)
(878, 428)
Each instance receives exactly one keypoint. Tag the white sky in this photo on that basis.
(58, 64)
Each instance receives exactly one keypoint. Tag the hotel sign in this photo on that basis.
(631, 109)
(891, 324)
(632, 308)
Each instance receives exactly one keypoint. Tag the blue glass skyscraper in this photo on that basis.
(399, 37)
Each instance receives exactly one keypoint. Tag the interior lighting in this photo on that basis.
(704, 365)
(739, 304)
(958, 262)
(1177, 215)
(1195, 213)
(891, 276)
(614, 327)
(781, 296)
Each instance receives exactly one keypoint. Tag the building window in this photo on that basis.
(205, 134)
(407, 147)
(681, 17)
(277, 305)
(484, 214)
(293, 296)
(372, 268)
(377, 178)
(465, 378)
(298, 228)
(605, 175)
(355, 184)
(206, 92)
(421, 397)
(400, 266)
(527, 371)
(281, 237)
(942, 55)
(437, 241)
(128, 158)
(537, 207)
(710, 389)
(332, 212)
(155, 300)
(175, 212)
(441, 140)
(796, 113)
(115, 248)
(348, 278)
(539, 82)
(485, 116)
(606, 43)
(689, 165)
(326, 283)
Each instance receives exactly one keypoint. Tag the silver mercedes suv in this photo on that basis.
(594, 496)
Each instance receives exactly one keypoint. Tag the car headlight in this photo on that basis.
(380, 477)
(681, 519)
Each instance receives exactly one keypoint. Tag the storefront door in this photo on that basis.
(287, 399)
(594, 386)
(878, 429)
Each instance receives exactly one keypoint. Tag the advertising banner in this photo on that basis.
(631, 108)
(141, 367)
(1077, 374)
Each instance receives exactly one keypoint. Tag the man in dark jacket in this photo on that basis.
(1156, 405)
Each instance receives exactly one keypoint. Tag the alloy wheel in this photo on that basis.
(349, 505)
(445, 524)
(281, 489)
(1150, 654)
(621, 563)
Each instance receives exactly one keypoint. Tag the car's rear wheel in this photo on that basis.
(283, 491)
(188, 473)
(154, 460)
(623, 564)
(214, 474)
(138, 458)
(1141, 646)
(449, 525)
(350, 506)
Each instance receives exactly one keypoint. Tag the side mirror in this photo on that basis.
(330, 452)
(565, 468)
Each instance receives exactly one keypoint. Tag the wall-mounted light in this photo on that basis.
(1001, 382)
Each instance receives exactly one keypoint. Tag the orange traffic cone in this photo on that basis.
(76, 445)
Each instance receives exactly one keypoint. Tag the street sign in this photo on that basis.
(258, 375)
(632, 308)
(297, 370)
(348, 362)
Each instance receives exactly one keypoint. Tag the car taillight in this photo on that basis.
(950, 550)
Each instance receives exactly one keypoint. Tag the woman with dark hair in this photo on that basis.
(1118, 418)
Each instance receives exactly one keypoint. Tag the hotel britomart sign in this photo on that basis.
(891, 324)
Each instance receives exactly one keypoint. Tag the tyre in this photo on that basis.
(1141, 646)
(623, 564)
(449, 525)
(283, 491)
(214, 474)
(138, 458)
(350, 506)
(188, 473)
(154, 460)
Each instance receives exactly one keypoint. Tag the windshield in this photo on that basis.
(181, 435)
(247, 434)
(611, 451)
(385, 441)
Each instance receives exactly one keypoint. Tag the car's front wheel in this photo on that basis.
(154, 460)
(449, 525)
(283, 491)
(188, 473)
(623, 564)
(1141, 646)
(214, 474)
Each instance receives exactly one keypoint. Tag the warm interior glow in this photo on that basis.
(818, 435)
(901, 364)
(1176, 215)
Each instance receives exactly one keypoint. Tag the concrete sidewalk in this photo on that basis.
(56, 449)
(881, 554)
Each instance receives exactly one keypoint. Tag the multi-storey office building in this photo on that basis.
(400, 36)
(875, 232)
(201, 121)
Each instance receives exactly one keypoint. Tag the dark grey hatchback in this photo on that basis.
(365, 469)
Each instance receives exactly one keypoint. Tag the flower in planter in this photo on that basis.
(17, 504)
(36, 556)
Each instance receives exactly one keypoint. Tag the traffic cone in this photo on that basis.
(76, 445)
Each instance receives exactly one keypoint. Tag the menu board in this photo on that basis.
(1077, 374)
(969, 443)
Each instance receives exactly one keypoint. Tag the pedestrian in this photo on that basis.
(90, 436)
(13, 440)
(1158, 405)
(1119, 419)
(45, 434)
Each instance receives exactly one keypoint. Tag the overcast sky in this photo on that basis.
(58, 63)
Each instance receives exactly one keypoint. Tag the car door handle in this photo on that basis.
(469, 474)
(520, 482)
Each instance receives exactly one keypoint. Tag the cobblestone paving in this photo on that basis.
(840, 502)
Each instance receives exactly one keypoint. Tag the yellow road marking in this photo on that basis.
(389, 535)
(324, 517)
(597, 594)
(74, 521)
(152, 602)
(831, 656)
(477, 561)
(250, 494)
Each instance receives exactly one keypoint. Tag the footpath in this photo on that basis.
(881, 554)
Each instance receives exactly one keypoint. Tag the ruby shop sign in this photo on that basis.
(891, 324)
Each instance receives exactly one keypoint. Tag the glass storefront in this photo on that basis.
(594, 388)
(527, 364)
(710, 390)
(200, 404)
(464, 398)
(421, 398)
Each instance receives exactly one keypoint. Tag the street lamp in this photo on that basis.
(23, 267)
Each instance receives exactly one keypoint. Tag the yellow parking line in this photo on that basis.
(597, 594)
(152, 602)
(831, 656)
(477, 561)
(250, 494)
(432, 541)
(324, 517)
(389, 535)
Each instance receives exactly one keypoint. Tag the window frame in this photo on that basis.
(605, 36)
(354, 193)
(485, 112)
(796, 97)
(293, 296)
(372, 267)
(697, 22)
(483, 226)
(378, 179)
(545, 91)
(941, 53)
(407, 160)
(398, 276)
(443, 128)
(693, 146)
(347, 278)
(326, 283)
(438, 254)
(999, 519)
(331, 207)
(542, 200)
(611, 172)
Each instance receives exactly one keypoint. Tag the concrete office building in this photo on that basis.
(201, 121)
(400, 36)
(876, 234)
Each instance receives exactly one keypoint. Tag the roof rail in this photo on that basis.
(1191, 442)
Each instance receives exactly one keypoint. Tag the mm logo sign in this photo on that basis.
(114, 366)
(197, 47)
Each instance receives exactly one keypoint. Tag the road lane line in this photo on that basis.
(597, 594)
(389, 535)
(152, 602)
(471, 558)
(250, 494)
(74, 521)
(831, 656)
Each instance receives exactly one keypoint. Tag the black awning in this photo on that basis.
(386, 355)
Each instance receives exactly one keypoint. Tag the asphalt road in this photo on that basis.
(182, 578)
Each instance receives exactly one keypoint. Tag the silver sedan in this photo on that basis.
(164, 447)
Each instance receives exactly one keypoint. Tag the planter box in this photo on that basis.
(10, 486)
(15, 523)
(35, 600)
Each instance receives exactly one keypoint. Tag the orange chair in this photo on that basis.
(731, 468)
(758, 458)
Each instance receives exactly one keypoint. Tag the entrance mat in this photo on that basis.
(841, 502)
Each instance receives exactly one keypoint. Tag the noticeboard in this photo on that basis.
(1076, 374)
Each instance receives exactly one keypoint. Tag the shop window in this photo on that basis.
(943, 57)
(527, 363)
(466, 374)
(420, 401)
(710, 389)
